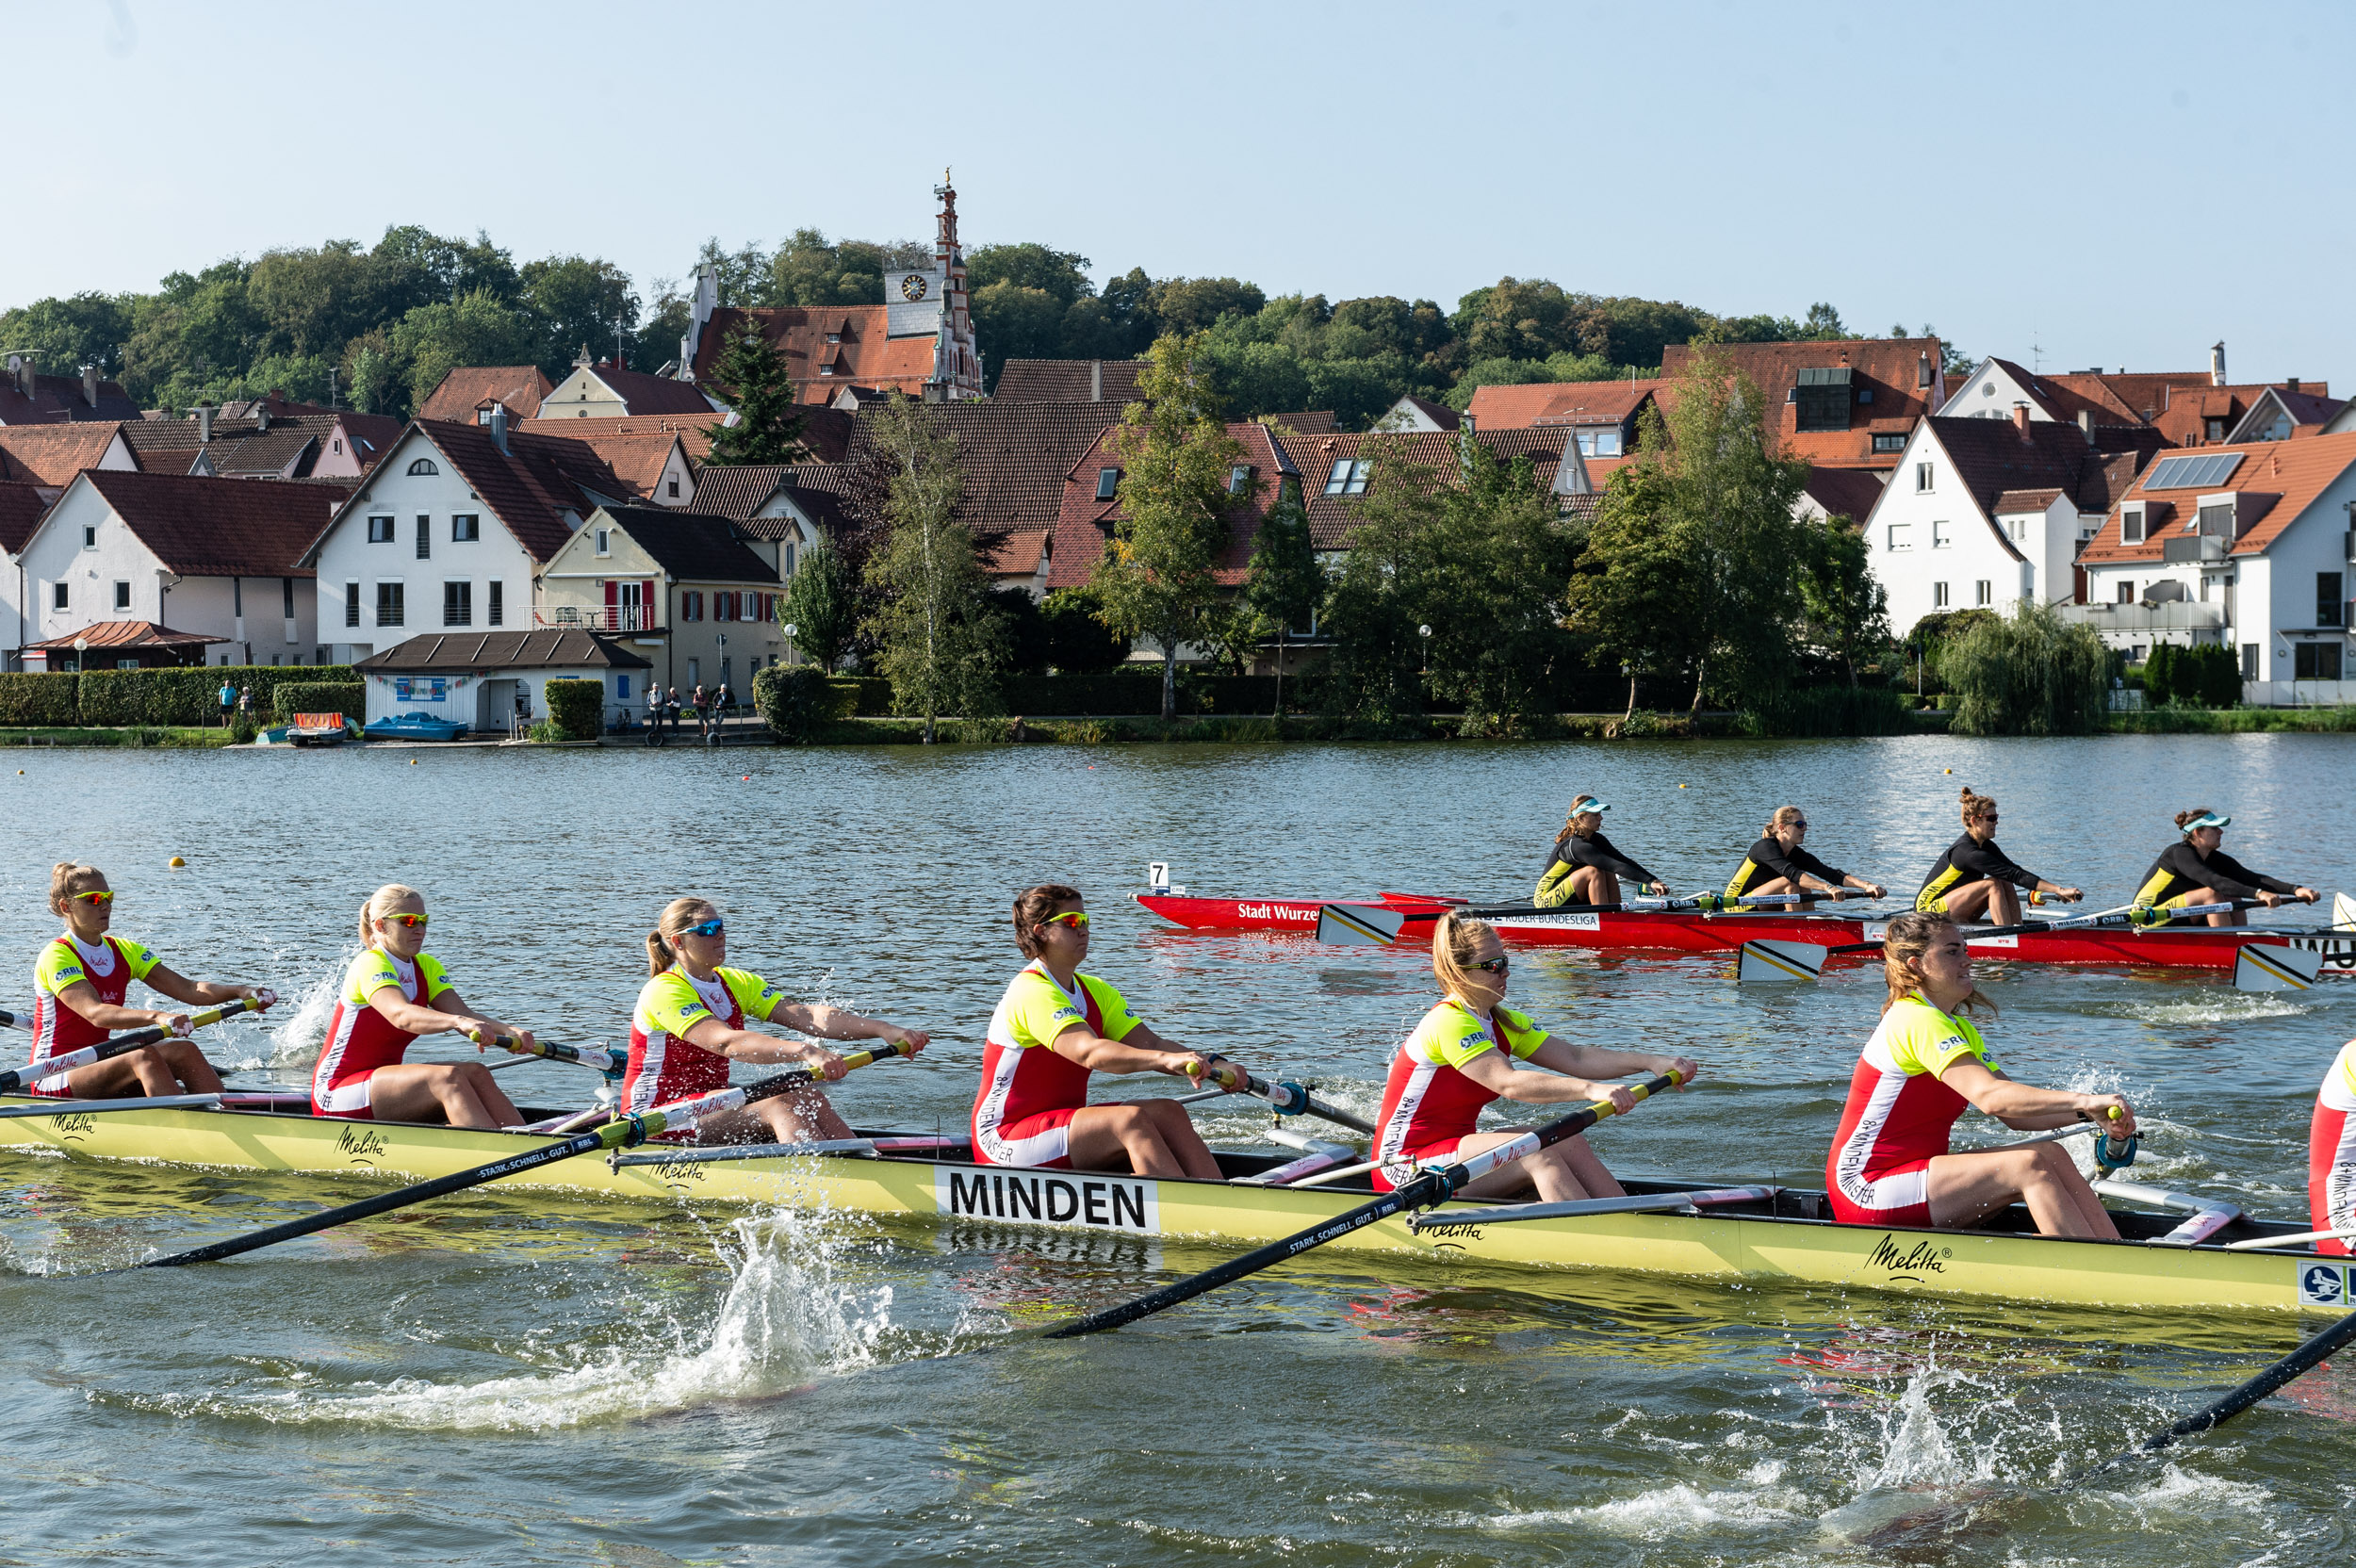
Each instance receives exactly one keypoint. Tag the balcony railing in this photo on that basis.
(586, 617)
(2167, 616)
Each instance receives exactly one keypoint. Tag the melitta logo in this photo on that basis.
(1277, 911)
(1452, 1228)
(681, 1171)
(76, 1123)
(1048, 1198)
(360, 1144)
(1912, 1262)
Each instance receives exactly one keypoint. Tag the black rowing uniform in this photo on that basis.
(2180, 870)
(1968, 860)
(1572, 852)
(1768, 859)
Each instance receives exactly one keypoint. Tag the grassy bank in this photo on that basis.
(133, 735)
(2235, 721)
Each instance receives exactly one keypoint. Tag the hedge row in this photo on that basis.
(185, 696)
(347, 697)
(1140, 694)
(577, 707)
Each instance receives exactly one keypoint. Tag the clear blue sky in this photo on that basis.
(2119, 185)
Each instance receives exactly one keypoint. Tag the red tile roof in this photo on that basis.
(1842, 492)
(826, 432)
(1018, 554)
(128, 634)
(53, 454)
(61, 399)
(1015, 457)
(20, 509)
(637, 460)
(1565, 403)
(532, 484)
(2140, 395)
(1084, 523)
(2292, 473)
(1068, 380)
(693, 546)
(865, 356)
(2185, 418)
(520, 386)
(1993, 457)
(1889, 367)
(1324, 421)
(2013, 501)
(220, 526)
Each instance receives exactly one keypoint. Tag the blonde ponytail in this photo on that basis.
(1455, 939)
(68, 877)
(383, 902)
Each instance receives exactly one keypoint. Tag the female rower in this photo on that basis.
(1053, 1029)
(1450, 1067)
(1781, 863)
(1583, 868)
(1889, 1164)
(2194, 871)
(80, 982)
(393, 992)
(1974, 880)
(2331, 1153)
(689, 1025)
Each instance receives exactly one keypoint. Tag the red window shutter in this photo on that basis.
(647, 619)
(612, 603)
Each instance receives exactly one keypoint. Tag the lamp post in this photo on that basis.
(81, 646)
(1424, 634)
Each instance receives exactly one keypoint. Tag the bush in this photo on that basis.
(190, 695)
(2208, 676)
(798, 702)
(243, 732)
(861, 694)
(577, 707)
(39, 699)
(2031, 675)
(350, 698)
(1832, 710)
(1077, 642)
(1139, 695)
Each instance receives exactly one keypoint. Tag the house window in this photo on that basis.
(2131, 525)
(789, 559)
(423, 465)
(458, 604)
(824, 370)
(2216, 430)
(621, 687)
(2315, 661)
(425, 538)
(2250, 661)
(380, 531)
(56, 595)
(674, 485)
(339, 445)
(122, 596)
(1921, 478)
(1821, 398)
(605, 542)
(2327, 598)
(1942, 535)
(1107, 484)
(466, 528)
(1350, 478)
(1902, 536)
(2137, 654)
(389, 604)
(286, 589)
(2216, 520)
(495, 605)
(1983, 592)
(1939, 595)
(90, 536)
(2127, 591)
(352, 604)
(236, 597)
(1890, 441)
(1239, 479)
(691, 606)
(694, 672)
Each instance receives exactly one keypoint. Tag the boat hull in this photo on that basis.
(1771, 1240)
(2211, 948)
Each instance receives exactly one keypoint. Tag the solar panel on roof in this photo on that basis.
(2194, 471)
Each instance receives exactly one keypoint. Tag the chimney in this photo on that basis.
(204, 414)
(261, 413)
(498, 426)
(2086, 424)
(90, 385)
(1922, 368)
(20, 368)
(2216, 365)
(2020, 420)
(2291, 386)
(1096, 380)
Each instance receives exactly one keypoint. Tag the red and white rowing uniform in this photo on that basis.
(2332, 1153)
(664, 1064)
(110, 966)
(1429, 1103)
(360, 1039)
(1023, 1112)
(1899, 1116)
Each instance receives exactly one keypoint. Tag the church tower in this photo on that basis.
(956, 359)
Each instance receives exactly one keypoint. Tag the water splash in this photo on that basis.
(297, 1039)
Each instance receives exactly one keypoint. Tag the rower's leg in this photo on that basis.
(1176, 1130)
(1559, 1175)
(2003, 904)
(460, 1094)
(1105, 1137)
(1594, 885)
(131, 1075)
(1968, 902)
(2207, 895)
(1773, 885)
(805, 1115)
(1966, 1188)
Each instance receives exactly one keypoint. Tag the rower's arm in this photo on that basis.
(450, 1015)
(747, 1045)
(1143, 1051)
(837, 1023)
(83, 998)
(2024, 1107)
(197, 993)
(1571, 1073)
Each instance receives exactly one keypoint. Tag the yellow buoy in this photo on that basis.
(1951, 770)
(412, 761)
(177, 861)
(1684, 786)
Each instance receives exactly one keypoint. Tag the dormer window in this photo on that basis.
(424, 466)
(1350, 477)
(2216, 430)
(1107, 484)
(1239, 479)
(834, 337)
(2131, 525)
(1890, 441)
(1821, 398)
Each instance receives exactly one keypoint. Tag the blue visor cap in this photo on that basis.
(1595, 805)
(2212, 819)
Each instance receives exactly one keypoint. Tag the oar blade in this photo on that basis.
(1359, 924)
(2272, 966)
(1763, 960)
(2342, 912)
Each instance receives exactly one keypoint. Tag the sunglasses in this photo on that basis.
(414, 923)
(1076, 919)
(1801, 826)
(1495, 965)
(1988, 816)
(99, 897)
(706, 928)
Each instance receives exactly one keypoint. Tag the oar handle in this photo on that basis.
(1455, 1178)
(107, 1050)
(1288, 1098)
(613, 1063)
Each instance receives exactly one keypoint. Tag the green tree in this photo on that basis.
(1373, 606)
(1633, 598)
(1847, 612)
(1283, 586)
(819, 609)
(88, 329)
(656, 344)
(750, 376)
(940, 638)
(1078, 641)
(1063, 275)
(474, 329)
(1495, 559)
(1156, 575)
(2029, 673)
(576, 300)
(1015, 322)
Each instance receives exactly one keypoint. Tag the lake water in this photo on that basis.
(486, 1382)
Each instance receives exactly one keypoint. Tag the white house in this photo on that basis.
(477, 677)
(449, 533)
(686, 590)
(2248, 545)
(220, 559)
(604, 390)
(1981, 514)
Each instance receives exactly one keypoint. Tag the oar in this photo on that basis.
(1289, 1099)
(1764, 959)
(629, 1130)
(1428, 1189)
(2307, 1357)
(613, 1063)
(1711, 902)
(49, 1067)
(14, 1020)
(98, 1107)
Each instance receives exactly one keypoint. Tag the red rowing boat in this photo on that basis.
(1674, 931)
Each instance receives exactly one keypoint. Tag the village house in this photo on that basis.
(604, 390)
(498, 680)
(780, 510)
(1601, 416)
(1981, 513)
(1068, 380)
(464, 394)
(152, 567)
(2246, 546)
(29, 398)
(1840, 403)
(2280, 412)
(48, 456)
(919, 342)
(450, 530)
(262, 443)
(1412, 414)
(685, 590)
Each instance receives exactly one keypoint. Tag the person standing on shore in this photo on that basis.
(228, 700)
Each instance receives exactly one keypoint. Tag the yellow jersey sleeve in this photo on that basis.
(57, 966)
(136, 956)
(1522, 1037)
(374, 969)
(669, 1006)
(1451, 1036)
(1932, 1041)
(759, 998)
(433, 980)
(1120, 1021)
(1037, 1010)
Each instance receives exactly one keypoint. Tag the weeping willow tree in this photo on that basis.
(2030, 673)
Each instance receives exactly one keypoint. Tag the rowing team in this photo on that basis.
(1972, 881)
(1890, 1162)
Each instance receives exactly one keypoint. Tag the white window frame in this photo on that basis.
(384, 537)
(1922, 478)
(122, 594)
(1982, 591)
(1901, 538)
(1941, 536)
(1939, 595)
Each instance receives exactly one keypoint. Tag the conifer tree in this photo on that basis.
(750, 377)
